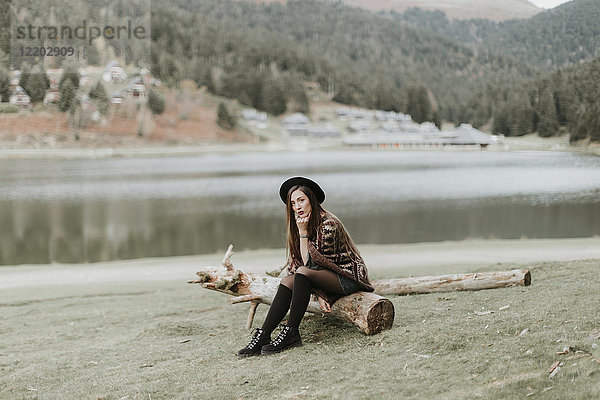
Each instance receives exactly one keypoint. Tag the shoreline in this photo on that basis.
(383, 261)
(525, 143)
(227, 149)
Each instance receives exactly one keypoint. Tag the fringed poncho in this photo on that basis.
(327, 249)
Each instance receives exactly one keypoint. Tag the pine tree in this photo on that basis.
(547, 124)
(25, 75)
(245, 99)
(419, 106)
(231, 84)
(587, 123)
(580, 124)
(437, 119)
(301, 103)
(156, 101)
(343, 94)
(480, 117)
(209, 81)
(481, 106)
(565, 100)
(4, 85)
(501, 124)
(254, 84)
(67, 95)
(36, 84)
(273, 98)
(521, 114)
(71, 73)
(595, 123)
(98, 94)
(44, 75)
(224, 118)
(297, 94)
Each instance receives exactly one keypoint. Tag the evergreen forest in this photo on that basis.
(513, 78)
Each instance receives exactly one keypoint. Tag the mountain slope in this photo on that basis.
(558, 37)
(366, 59)
(565, 35)
(456, 9)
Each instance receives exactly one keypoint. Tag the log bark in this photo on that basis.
(369, 312)
(449, 283)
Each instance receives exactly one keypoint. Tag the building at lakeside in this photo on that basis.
(357, 127)
(299, 125)
(255, 118)
(425, 136)
(296, 124)
(323, 131)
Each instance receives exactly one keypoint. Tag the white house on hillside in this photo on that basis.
(113, 72)
(19, 97)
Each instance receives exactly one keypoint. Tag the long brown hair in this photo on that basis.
(314, 221)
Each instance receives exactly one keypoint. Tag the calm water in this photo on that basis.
(106, 209)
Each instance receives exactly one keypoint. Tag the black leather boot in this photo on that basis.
(288, 337)
(253, 348)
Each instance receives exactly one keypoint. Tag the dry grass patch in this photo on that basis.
(172, 340)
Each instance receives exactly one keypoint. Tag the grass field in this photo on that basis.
(173, 340)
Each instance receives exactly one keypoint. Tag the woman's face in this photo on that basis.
(300, 203)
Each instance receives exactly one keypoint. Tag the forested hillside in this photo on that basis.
(585, 83)
(550, 103)
(559, 37)
(363, 58)
(264, 56)
(456, 9)
(552, 39)
(467, 31)
(564, 100)
(4, 31)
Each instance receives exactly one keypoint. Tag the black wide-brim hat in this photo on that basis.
(301, 181)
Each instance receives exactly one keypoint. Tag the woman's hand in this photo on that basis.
(324, 305)
(302, 223)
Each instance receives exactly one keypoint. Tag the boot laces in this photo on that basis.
(282, 335)
(257, 334)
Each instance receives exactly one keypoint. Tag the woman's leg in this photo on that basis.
(280, 305)
(288, 282)
(324, 279)
(304, 280)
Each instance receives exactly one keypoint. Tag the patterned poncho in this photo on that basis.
(327, 250)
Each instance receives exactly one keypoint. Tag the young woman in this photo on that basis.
(322, 258)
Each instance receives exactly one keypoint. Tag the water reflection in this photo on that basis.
(96, 210)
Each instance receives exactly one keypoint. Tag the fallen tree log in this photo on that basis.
(369, 312)
(449, 283)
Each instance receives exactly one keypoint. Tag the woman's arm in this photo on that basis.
(302, 224)
(304, 248)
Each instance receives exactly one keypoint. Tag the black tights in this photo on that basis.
(295, 290)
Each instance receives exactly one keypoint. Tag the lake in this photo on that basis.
(88, 210)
